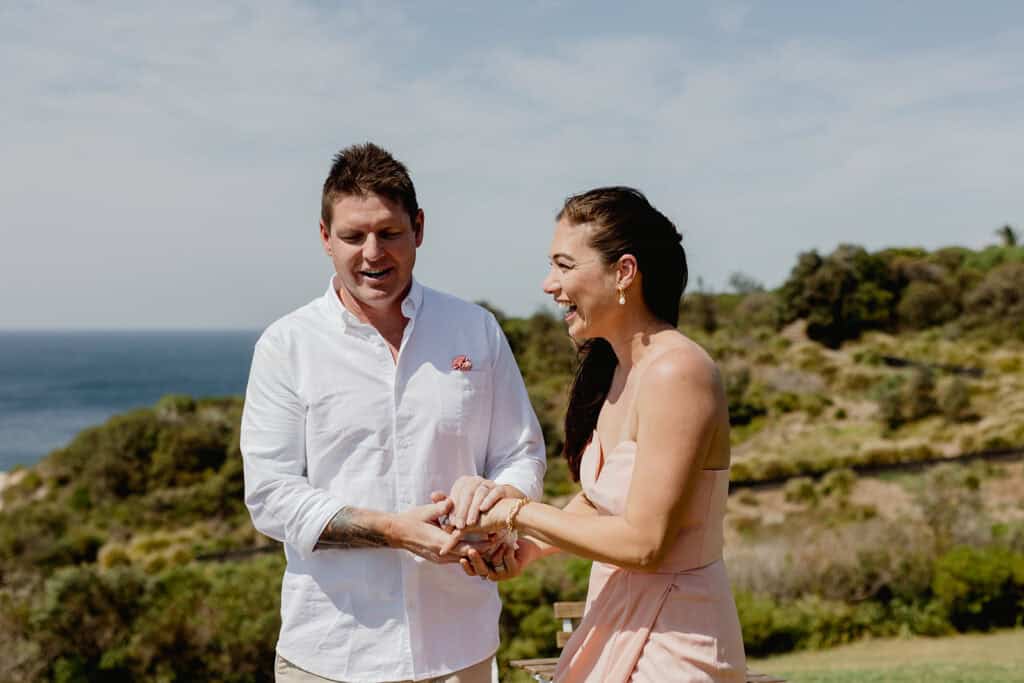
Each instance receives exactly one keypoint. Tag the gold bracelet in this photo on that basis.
(510, 521)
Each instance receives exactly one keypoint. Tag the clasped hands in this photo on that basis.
(470, 529)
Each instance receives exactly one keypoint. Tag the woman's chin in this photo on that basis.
(578, 333)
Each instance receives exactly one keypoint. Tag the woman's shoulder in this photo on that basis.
(679, 355)
(680, 363)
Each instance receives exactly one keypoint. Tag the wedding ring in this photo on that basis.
(499, 567)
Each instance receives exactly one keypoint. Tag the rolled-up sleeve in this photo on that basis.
(515, 446)
(280, 499)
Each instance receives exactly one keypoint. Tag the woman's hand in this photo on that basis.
(495, 518)
(491, 522)
(471, 496)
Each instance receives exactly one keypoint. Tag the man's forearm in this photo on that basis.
(355, 528)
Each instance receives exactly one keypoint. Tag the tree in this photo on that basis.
(999, 297)
(841, 296)
(1008, 235)
(699, 309)
(741, 283)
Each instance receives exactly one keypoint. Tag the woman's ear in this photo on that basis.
(626, 271)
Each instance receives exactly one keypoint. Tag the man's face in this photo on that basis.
(372, 242)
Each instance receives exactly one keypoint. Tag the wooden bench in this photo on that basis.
(570, 613)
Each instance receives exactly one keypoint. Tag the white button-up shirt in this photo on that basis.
(331, 419)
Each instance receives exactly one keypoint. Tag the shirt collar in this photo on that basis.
(411, 304)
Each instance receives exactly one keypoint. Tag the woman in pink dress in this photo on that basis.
(647, 436)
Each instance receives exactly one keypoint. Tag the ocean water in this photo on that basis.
(54, 384)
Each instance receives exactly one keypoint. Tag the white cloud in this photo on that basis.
(163, 164)
(729, 16)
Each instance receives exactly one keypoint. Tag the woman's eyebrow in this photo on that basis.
(562, 255)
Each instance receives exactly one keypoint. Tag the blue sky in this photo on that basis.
(162, 165)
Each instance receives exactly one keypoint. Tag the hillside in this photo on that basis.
(128, 554)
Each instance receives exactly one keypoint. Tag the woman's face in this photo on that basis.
(580, 282)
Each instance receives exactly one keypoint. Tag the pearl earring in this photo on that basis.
(622, 297)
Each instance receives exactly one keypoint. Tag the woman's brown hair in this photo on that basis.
(620, 221)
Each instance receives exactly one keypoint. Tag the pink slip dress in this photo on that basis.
(677, 624)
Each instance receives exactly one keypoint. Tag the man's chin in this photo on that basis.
(379, 295)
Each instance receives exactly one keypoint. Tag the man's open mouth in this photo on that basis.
(376, 274)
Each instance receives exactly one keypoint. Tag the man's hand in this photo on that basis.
(417, 531)
(506, 563)
(472, 495)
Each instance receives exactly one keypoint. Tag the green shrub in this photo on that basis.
(199, 622)
(699, 310)
(999, 298)
(955, 403)
(801, 490)
(924, 304)
(784, 402)
(992, 257)
(842, 295)
(981, 588)
(745, 403)
(757, 309)
(527, 623)
(748, 498)
(768, 628)
(921, 401)
(951, 505)
(175, 406)
(838, 483)
(888, 394)
(814, 404)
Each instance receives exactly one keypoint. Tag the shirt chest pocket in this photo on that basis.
(464, 399)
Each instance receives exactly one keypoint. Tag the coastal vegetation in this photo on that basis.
(853, 389)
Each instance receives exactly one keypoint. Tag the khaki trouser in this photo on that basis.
(286, 672)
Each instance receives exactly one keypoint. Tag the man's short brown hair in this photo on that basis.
(364, 169)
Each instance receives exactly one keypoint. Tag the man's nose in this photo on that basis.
(372, 248)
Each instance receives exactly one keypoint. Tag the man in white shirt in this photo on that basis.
(360, 406)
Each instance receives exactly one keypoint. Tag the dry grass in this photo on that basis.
(797, 442)
(847, 546)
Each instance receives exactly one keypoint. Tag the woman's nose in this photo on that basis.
(550, 283)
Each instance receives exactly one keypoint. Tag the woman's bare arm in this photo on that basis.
(680, 406)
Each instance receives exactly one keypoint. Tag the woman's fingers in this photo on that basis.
(467, 567)
(473, 513)
(493, 496)
(462, 493)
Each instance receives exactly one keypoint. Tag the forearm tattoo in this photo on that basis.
(346, 530)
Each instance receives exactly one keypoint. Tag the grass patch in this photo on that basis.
(975, 658)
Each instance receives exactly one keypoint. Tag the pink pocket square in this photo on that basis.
(462, 363)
